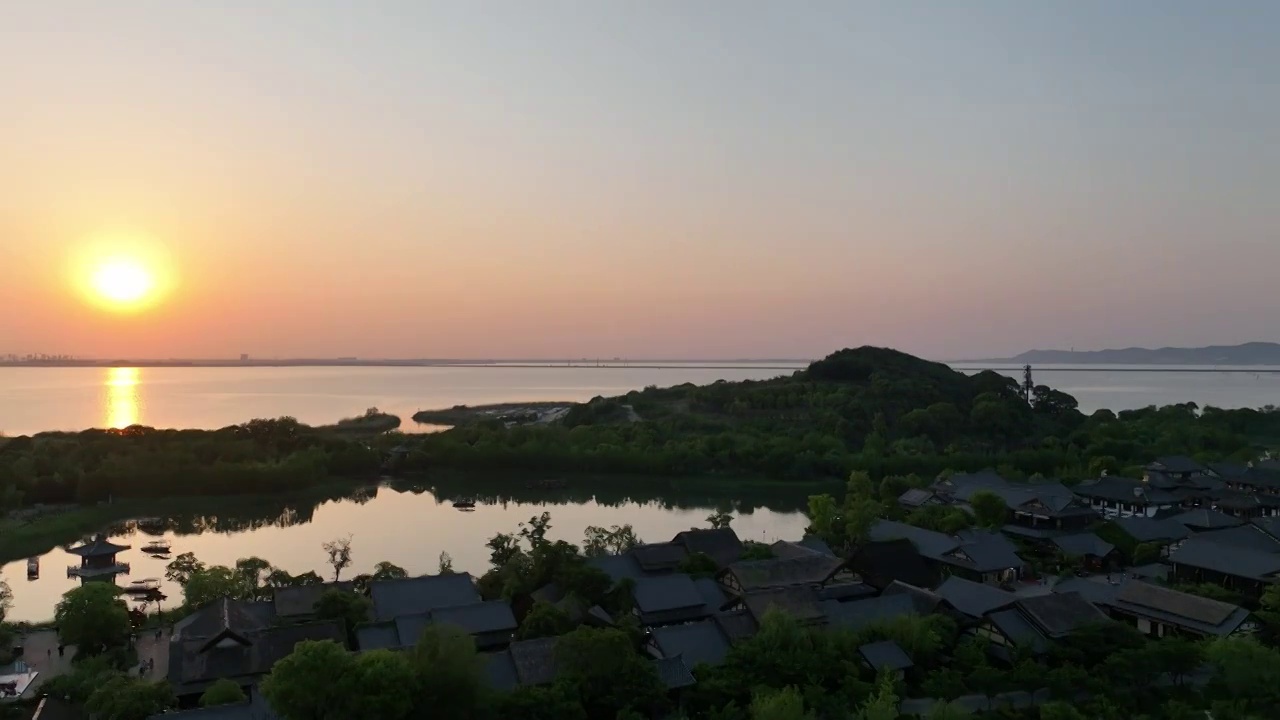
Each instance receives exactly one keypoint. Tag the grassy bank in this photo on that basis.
(460, 415)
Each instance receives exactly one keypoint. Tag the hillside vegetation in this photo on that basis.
(872, 409)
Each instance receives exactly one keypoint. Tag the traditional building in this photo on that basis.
(98, 560)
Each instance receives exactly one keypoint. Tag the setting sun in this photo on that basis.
(122, 272)
(122, 282)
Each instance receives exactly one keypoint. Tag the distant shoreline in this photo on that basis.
(603, 364)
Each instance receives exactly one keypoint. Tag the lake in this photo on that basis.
(407, 528)
(38, 399)
(412, 529)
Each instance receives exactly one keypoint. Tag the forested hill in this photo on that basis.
(869, 408)
(1254, 353)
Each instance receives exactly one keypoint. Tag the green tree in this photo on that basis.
(253, 570)
(207, 585)
(1146, 553)
(883, 705)
(948, 711)
(382, 685)
(311, 683)
(557, 702)
(223, 692)
(339, 552)
(989, 509)
(699, 565)
(784, 704)
(615, 540)
(6, 599)
(126, 698)
(181, 568)
(349, 607)
(825, 520)
(720, 520)
(445, 564)
(451, 674)
(544, 620)
(93, 618)
(503, 548)
(608, 672)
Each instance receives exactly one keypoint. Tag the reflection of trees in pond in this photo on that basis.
(667, 494)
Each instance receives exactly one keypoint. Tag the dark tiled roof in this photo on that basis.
(302, 599)
(409, 628)
(412, 596)
(799, 601)
(668, 592)
(885, 655)
(813, 542)
(1124, 490)
(1192, 607)
(1228, 469)
(785, 550)
(973, 599)
(1261, 479)
(1204, 519)
(737, 625)
(195, 663)
(100, 546)
(721, 545)
(660, 556)
(534, 660)
(712, 594)
(500, 671)
(1145, 529)
(1199, 552)
(930, 543)
(700, 643)
(223, 615)
(476, 618)
(1176, 464)
(673, 672)
(987, 553)
(884, 562)
(975, 549)
(378, 636)
(1268, 525)
(1083, 544)
(618, 567)
(915, 497)
(1019, 630)
(1060, 614)
(1249, 536)
(925, 601)
(861, 613)
(758, 574)
(846, 591)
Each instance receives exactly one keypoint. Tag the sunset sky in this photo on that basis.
(638, 179)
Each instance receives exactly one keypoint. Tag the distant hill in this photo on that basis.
(1254, 353)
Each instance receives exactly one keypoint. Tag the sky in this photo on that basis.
(720, 179)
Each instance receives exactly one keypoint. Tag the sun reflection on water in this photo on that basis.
(122, 397)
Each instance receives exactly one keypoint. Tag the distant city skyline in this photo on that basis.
(668, 180)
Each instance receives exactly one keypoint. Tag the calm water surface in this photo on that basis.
(410, 530)
(38, 399)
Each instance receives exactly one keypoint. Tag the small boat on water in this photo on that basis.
(33, 568)
(157, 547)
(144, 585)
(465, 504)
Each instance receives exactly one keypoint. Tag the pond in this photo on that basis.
(411, 526)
